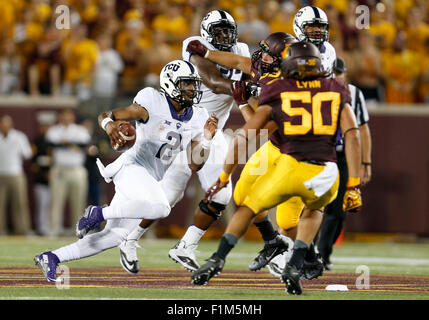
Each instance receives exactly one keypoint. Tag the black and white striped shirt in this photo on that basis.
(361, 112)
(359, 105)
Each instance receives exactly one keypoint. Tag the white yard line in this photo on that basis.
(381, 260)
(72, 298)
(351, 260)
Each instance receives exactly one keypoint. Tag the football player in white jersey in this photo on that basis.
(166, 123)
(311, 24)
(218, 32)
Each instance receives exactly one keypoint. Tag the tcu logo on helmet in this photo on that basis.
(173, 67)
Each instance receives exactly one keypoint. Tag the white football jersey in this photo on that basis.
(165, 133)
(328, 54)
(220, 104)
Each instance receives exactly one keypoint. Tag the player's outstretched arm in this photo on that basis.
(211, 76)
(111, 120)
(350, 130)
(200, 150)
(227, 59)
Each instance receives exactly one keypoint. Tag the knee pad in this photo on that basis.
(215, 214)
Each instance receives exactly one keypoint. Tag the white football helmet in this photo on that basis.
(173, 78)
(311, 15)
(218, 27)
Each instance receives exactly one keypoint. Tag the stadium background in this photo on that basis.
(45, 69)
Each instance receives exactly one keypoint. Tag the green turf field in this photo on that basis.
(397, 271)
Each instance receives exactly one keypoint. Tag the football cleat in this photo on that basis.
(91, 219)
(210, 269)
(275, 269)
(128, 254)
(291, 277)
(327, 264)
(48, 263)
(278, 263)
(312, 269)
(185, 255)
(269, 251)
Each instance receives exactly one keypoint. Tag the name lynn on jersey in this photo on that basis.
(308, 84)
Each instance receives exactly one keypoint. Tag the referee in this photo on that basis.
(334, 217)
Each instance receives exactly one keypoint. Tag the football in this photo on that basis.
(128, 133)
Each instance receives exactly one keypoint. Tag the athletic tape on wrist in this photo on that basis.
(224, 177)
(105, 122)
(353, 182)
(207, 54)
(206, 143)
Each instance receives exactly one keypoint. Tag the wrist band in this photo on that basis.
(207, 54)
(366, 163)
(224, 177)
(206, 143)
(105, 122)
(353, 181)
(241, 106)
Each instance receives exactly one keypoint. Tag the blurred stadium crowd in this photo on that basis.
(116, 47)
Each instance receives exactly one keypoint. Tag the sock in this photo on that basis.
(137, 233)
(100, 216)
(227, 242)
(300, 249)
(90, 245)
(193, 235)
(266, 229)
(68, 253)
(311, 253)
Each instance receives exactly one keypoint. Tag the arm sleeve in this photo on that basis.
(243, 49)
(145, 98)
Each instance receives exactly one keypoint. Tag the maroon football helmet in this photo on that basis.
(273, 45)
(302, 61)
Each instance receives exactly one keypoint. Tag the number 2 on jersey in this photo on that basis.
(166, 151)
(313, 120)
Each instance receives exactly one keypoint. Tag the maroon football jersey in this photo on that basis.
(262, 79)
(307, 114)
(254, 71)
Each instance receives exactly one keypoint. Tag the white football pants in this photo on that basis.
(143, 196)
(178, 174)
(137, 196)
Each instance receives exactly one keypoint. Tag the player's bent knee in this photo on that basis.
(162, 210)
(224, 195)
(213, 209)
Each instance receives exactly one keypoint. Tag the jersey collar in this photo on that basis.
(184, 117)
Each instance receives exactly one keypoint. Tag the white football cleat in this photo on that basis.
(278, 263)
(185, 255)
(128, 253)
